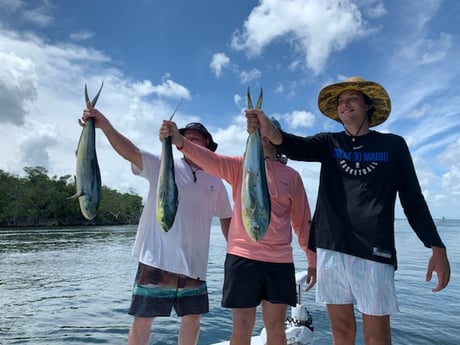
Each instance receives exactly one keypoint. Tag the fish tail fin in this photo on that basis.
(86, 95)
(94, 101)
(259, 100)
(97, 95)
(250, 106)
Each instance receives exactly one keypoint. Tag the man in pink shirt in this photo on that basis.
(259, 272)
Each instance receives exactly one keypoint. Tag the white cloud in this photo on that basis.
(11, 5)
(373, 8)
(302, 24)
(451, 181)
(218, 63)
(248, 76)
(420, 112)
(168, 88)
(279, 88)
(451, 155)
(35, 151)
(28, 12)
(232, 138)
(38, 16)
(42, 97)
(428, 51)
(81, 35)
(425, 174)
(421, 12)
(298, 119)
(237, 99)
(17, 87)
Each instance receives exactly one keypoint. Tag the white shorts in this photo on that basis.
(347, 279)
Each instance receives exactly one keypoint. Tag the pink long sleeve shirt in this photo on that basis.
(289, 207)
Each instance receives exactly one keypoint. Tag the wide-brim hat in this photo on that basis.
(328, 96)
(202, 129)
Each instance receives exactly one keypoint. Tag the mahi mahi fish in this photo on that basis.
(88, 175)
(167, 192)
(255, 197)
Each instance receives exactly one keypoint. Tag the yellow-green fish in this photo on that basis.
(88, 175)
(255, 197)
(167, 193)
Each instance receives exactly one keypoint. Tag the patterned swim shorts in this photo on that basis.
(156, 291)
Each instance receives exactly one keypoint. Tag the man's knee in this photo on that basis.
(139, 332)
(191, 320)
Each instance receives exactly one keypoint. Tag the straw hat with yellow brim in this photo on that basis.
(328, 96)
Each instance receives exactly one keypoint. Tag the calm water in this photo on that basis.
(73, 286)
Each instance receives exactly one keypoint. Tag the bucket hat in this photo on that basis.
(202, 129)
(327, 99)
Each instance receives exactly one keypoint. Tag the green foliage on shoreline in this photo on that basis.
(38, 200)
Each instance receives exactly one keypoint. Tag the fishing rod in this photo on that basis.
(177, 107)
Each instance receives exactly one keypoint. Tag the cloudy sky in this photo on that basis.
(150, 54)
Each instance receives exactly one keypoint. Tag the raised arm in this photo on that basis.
(169, 129)
(122, 145)
(257, 119)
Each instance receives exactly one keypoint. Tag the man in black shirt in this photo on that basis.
(362, 171)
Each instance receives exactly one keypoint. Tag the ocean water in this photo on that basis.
(73, 286)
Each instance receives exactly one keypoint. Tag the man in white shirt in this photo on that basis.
(172, 265)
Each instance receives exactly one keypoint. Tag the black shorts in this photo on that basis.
(156, 291)
(247, 282)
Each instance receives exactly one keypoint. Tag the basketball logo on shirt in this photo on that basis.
(357, 163)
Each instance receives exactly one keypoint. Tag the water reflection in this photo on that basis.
(43, 239)
(68, 284)
(73, 285)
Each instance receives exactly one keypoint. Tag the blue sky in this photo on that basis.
(152, 53)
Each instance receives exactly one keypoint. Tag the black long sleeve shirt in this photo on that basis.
(358, 185)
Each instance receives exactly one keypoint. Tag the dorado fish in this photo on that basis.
(88, 175)
(255, 197)
(167, 192)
